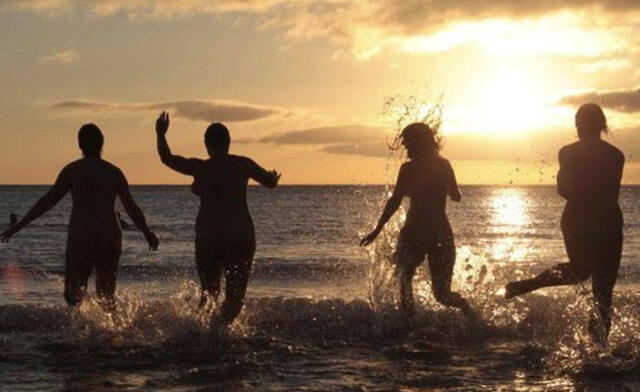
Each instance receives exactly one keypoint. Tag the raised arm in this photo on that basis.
(390, 207)
(134, 212)
(260, 175)
(452, 185)
(46, 202)
(176, 162)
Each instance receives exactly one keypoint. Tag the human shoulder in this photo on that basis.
(443, 161)
(71, 167)
(406, 166)
(614, 151)
(240, 158)
(569, 148)
(112, 168)
(243, 161)
(567, 151)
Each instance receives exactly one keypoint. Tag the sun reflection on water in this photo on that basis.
(509, 219)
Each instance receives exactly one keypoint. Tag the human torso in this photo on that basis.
(427, 185)
(593, 173)
(221, 184)
(94, 187)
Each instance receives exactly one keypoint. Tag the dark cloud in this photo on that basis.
(230, 111)
(368, 141)
(376, 150)
(215, 111)
(623, 101)
(354, 134)
(343, 139)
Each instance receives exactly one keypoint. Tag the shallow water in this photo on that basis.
(321, 312)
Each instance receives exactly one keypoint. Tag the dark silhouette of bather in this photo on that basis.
(94, 235)
(13, 219)
(427, 179)
(225, 237)
(589, 179)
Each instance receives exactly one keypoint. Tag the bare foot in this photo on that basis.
(514, 289)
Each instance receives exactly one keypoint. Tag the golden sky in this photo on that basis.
(301, 84)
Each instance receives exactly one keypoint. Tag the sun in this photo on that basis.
(510, 104)
(501, 101)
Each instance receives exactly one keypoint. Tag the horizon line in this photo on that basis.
(334, 184)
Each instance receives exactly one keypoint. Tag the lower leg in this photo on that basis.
(236, 280)
(560, 275)
(603, 282)
(441, 265)
(407, 302)
(74, 293)
(76, 274)
(451, 298)
(107, 275)
(209, 271)
(209, 291)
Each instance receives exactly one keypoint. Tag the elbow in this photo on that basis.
(133, 211)
(563, 193)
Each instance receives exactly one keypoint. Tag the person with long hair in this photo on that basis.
(589, 180)
(426, 179)
(94, 233)
(225, 235)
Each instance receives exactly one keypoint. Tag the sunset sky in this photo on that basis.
(301, 84)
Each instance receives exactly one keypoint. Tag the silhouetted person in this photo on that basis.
(225, 237)
(427, 179)
(589, 179)
(13, 219)
(94, 236)
(123, 223)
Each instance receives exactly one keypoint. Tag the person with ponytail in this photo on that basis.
(426, 179)
(589, 180)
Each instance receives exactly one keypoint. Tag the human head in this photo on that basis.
(419, 139)
(217, 139)
(13, 218)
(590, 121)
(90, 140)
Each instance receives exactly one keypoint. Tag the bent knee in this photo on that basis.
(581, 273)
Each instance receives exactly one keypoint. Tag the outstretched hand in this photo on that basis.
(369, 238)
(162, 124)
(7, 234)
(153, 241)
(276, 176)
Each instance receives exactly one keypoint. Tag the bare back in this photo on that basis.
(94, 185)
(221, 183)
(590, 175)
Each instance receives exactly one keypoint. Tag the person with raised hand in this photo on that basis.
(225, 235)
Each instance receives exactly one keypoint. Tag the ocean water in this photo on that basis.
(321, 312)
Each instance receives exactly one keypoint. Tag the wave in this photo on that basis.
(534, 332)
